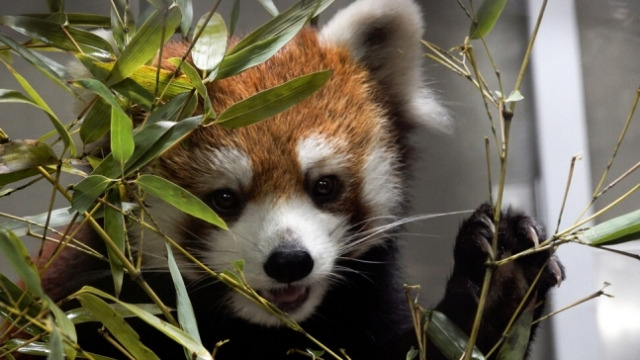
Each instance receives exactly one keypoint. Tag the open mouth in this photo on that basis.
(288, 298)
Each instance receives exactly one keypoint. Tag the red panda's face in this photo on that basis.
(311, 186)
(298, 191)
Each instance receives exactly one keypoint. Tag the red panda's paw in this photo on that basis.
(517, 233)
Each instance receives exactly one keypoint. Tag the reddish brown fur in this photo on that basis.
(271, 144)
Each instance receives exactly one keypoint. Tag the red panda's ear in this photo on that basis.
(384, 36)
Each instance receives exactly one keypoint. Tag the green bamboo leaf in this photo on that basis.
(37, 101)
(186, 316)
(96, 123)
(272, 101)
(116, 325)
(186, 9)
(81, 19)
(55, 5)
(38, 348)
(114, 226)
(56, 349)
(150, 142)
(17, 298)
(615, 231)
(265, 41)
(145, 77)
(121, 136)
(48, 67)
(20, 155)
(81, 315)
(210, 47)
(235, 13)
(486, 17)
(18, 257)
(177, 109)
(201, 89)
(447, 336)
(87, 191)
(196, 350)
(242, 60)
(145, 43)
(517, 341)
(270, 7)
(287, 23)
(57, 218)
(179, 198)
(122, 23)
(122, 144)
(52, 33)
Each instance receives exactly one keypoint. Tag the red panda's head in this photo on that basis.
(314, 184)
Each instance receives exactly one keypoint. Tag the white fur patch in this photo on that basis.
(226, 167)
(319, 155)
(381, 182)
(259, 231)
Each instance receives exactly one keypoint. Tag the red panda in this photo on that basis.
(312, 198)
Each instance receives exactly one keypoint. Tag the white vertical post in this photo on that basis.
(561, 130)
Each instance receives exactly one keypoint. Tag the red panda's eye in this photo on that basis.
(226, 202)
(325, 189)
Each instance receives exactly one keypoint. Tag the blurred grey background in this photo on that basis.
(583, 79)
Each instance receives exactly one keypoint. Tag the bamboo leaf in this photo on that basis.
(21, 300)
(235, 13)
(196, 350)
(121, 136)
(201, 89)
(52, 33)
(517, 341)
(18, 257)
(87, 191)
(39, 348)
(114, 226)
(57, 218)
(177, 109)
(179, 198)
(255, 54)
(37, 101)
(122, 23)
(56, 349)
(486, 17)
(270, 7)
(150, 142)
(617, 230)
(81, 315)
(144, 77)
(97, 122)
(186, 316)
(272, 101)
(20, 155)
(265, 41)
(116, 325)
(48, 67)
(447, 336)
(186, 9)
(145, 43)
(287, 23)
(210, 47)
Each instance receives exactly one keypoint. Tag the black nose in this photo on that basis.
(288, 264)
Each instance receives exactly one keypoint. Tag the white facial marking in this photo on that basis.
(317, 154)
(259, 231)
(223, 168)
(381, 182)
